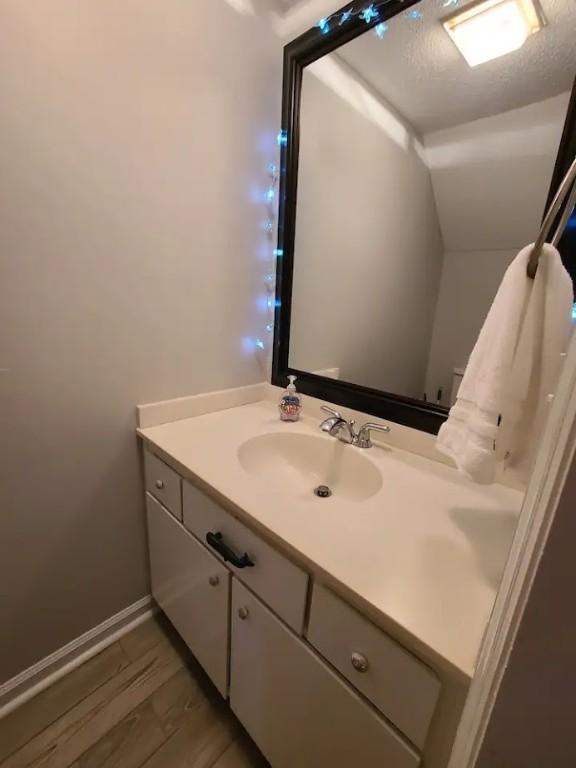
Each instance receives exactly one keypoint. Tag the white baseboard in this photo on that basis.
(30, 682)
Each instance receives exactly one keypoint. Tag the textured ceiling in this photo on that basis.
(419, 71)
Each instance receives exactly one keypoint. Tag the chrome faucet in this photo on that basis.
(337, 426)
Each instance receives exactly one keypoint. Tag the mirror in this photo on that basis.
(415, 180)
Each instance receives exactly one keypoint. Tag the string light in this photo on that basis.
(414, 14)
(381, 29)
(269, 302)
(368, 14)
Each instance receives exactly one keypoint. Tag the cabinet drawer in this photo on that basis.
(403, 689)
(192, 588)
(298, 711)
(163, 483)
(280, 583)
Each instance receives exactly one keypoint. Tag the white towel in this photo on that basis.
(502, 401)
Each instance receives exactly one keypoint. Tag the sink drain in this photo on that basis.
(322, 491)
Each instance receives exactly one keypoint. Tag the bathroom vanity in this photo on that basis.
(343, 630)
(344, 626)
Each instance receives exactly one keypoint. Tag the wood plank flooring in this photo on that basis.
(143, 702)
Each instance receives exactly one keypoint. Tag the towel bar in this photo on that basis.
(563, 195)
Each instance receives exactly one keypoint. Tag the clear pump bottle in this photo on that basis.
(290, 404)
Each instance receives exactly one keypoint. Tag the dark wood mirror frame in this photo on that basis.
(298, 54)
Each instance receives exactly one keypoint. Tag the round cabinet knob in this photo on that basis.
(214, 581)
(243, 613)
(159, 484)
(360, 662)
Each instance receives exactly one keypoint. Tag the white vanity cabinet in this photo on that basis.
(192, 588)
(298, 711)
(281, 651)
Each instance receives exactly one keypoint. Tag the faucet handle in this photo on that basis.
(331, 411)
(363, 440)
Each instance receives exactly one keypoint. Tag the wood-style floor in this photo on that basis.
(142, 702)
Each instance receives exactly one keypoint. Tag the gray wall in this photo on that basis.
(491, 179)
(532, 724)
(132, 135)
(368, 249)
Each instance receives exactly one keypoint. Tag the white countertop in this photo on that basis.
(423, 557)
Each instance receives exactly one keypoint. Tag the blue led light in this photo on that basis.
(369, 13)
(574, 313)
(414, 14)
(267, 303)
(381, 29)
(263, 303)
(282, 138)
(278, 252)
(323, 25)
(346, 16)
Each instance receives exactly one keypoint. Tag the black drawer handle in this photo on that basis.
(216, 541)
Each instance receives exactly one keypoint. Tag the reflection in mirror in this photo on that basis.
(419, 180)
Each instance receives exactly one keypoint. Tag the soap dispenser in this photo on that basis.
(290, 404)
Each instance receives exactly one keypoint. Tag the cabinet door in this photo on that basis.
(298, 711)
(192, 588)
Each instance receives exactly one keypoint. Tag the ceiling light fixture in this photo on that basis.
(491, 28)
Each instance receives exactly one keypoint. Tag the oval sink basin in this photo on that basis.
(297, 464)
